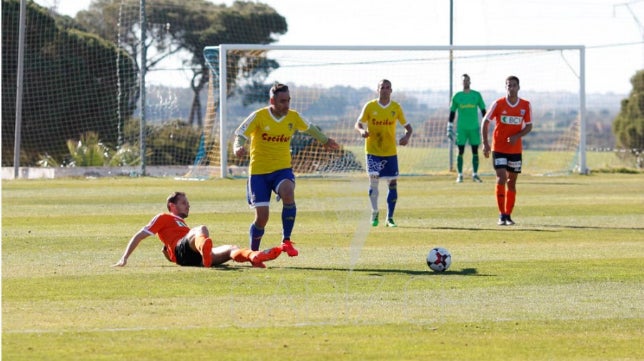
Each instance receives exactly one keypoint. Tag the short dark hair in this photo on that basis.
(174, 198)
(382, 81)
(277, 88)
(512, 77)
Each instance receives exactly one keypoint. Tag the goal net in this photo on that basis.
(329, 85)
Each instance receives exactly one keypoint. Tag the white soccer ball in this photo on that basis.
(439, 259)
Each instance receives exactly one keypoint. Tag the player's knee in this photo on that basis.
(202, 230)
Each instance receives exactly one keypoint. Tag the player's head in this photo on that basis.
(466, 81)
(277, 88)
(512, 78)
(512, 85)
(384, 90)
(178, 204)
(280, 99)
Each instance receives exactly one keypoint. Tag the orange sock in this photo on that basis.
(509, 201)
(500, 198)
(241, 255)
(204, 245)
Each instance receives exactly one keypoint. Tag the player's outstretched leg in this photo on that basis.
(257, 258)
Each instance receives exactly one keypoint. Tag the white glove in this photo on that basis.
(450, 131)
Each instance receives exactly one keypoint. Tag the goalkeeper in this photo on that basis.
(468, 129)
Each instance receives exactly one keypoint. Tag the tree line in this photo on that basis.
(82, 73)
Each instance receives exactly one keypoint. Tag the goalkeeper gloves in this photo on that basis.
(450, 131)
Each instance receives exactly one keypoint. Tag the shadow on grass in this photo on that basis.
(498, 228)
(590, 227)
(542, 228)
(381, 272)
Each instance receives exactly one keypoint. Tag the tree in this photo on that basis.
(628, 126)
(176, 27)
(71, 84)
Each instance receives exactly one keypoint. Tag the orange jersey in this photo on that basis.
(170, 229)
(509, 119)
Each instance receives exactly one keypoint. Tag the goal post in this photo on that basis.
(330, 84)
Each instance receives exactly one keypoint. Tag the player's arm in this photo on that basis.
(361, 129)
(527, 129)
(405, 138)
(450, 124)
(241, 135)
(131, 246)
(238, 146)
(485, 131)
(364, 133)
(316, 133)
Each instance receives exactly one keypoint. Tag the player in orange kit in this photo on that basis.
(187, 246)
(513, 120)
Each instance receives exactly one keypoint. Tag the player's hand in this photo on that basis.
(240, 152)
(450, 131)
(331, 144)
(166, 253)
(405, 139)
(364, 133)
(513, 139)
(486, 150)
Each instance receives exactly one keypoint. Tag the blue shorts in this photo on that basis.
(260, 186)
(383, 167)
(511, 162)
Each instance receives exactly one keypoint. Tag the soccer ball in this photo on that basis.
(439, 259)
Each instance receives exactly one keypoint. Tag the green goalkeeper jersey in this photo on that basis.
(467, 105)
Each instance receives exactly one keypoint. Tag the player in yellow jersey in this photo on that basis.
(381, 117)
(270, 131)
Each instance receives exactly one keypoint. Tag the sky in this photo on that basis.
(611, 31)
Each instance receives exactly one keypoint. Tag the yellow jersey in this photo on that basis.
(381, 124)
(270, 139)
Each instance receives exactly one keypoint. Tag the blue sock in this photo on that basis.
(256, 235)
(392, 197)
(288, 220)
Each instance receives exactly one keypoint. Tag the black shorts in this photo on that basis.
(511, 162)
(186, 256)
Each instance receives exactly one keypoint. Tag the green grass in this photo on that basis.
(565, 283)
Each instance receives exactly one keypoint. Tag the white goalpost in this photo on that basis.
(330, 84)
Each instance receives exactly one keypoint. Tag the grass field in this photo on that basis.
(565, 283)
